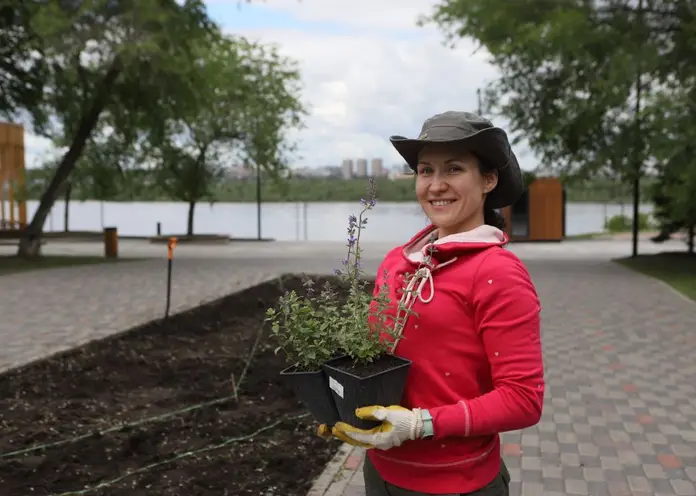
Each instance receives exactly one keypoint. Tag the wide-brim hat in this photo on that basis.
(477, 134)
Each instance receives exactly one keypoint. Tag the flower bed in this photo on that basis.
(250, 443)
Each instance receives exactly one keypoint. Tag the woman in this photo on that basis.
(475, 343)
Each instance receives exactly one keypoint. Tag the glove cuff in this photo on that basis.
(417, 425)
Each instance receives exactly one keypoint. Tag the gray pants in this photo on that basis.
(376, 486)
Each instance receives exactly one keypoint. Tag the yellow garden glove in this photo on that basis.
(324, 431)
(399, 424)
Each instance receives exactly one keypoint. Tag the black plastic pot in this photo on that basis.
(312, 389)
(353, 389)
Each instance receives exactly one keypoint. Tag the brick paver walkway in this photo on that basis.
(47, 311)
(620, 412)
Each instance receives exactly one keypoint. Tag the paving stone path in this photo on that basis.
(620, 408)
(46, 311)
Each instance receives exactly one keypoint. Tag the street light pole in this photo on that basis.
(258, 202)
(478, 97)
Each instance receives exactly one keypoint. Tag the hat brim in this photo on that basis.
(490, 145)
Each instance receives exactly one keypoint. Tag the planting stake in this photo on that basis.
(170, 257)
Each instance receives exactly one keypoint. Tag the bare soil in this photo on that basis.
(159, 368)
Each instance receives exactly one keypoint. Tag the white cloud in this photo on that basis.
(38, 150)
(362, 89)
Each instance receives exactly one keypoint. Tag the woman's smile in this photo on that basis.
(441, 204)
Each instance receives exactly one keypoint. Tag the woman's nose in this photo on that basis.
(438, 183)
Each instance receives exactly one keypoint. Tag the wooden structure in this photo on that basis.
(13, 206)
(539, 215)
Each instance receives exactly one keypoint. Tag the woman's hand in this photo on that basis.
(399, 424)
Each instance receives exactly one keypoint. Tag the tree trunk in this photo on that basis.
(690, 235)
(189, 222)
(30, 241)
(66, 209)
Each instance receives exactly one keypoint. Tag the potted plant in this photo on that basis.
(367, 373)
(344, 335)
(303, 327)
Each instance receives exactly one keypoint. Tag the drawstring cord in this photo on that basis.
(412, 293)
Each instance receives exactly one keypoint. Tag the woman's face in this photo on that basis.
(451, 188)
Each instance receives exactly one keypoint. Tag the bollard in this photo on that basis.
(159, 229)
(170, 258)
(111, 242)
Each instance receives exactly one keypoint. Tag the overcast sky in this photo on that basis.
(368, 72)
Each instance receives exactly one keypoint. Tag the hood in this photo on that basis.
(482, 237)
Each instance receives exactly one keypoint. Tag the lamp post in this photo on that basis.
(258, 202)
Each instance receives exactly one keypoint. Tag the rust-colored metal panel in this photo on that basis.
(546, 210)
(13, 212)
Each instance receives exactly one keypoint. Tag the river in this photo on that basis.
(283, 221)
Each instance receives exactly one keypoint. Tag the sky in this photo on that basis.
(368, 72)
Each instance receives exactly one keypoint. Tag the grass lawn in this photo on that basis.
(13, 264)
(582, 237)
(676, 269)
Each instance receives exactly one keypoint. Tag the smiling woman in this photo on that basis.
(451, 186)
(483, 373)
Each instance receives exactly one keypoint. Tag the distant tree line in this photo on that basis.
(143, 185)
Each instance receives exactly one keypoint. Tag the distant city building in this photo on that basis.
(347, 168)
(361, 167)
(377, 168)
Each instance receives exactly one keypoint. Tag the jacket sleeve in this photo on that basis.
(507, 318)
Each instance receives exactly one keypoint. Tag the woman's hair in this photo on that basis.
(490, 216)
(493, 218)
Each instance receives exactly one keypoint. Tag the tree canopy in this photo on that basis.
(584, 81)
(119, 83)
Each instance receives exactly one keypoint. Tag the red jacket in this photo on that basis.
(476, 353)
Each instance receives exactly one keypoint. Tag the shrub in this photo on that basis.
(623, 223)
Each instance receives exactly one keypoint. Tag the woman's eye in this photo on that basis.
(455, 169)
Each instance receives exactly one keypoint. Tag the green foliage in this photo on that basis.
(316, 327)
(571, 73)
(623, 223)
(567, 72)
(247, 100)
(109, 69)
(305, 326)
(21, 82)
(672, 144)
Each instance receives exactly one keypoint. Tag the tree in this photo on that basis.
(127, 58)
(574, 74)
(673, 138)
(247, 99)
